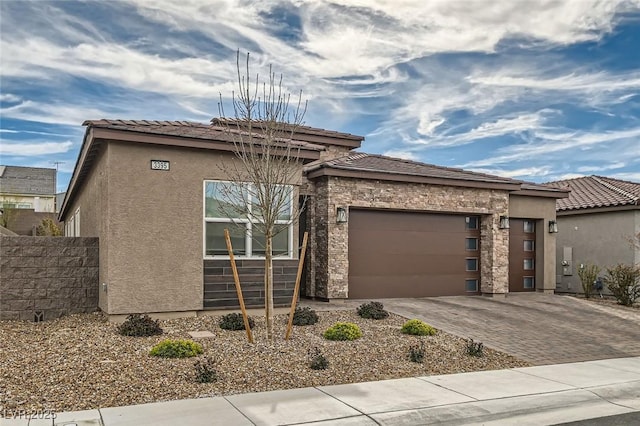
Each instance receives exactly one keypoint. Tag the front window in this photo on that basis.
(235, 206)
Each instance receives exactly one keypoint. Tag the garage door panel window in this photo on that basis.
(471, 222)
(471, 286)
(471, 244)
(233, 206)
(472, 264)
(529, 245)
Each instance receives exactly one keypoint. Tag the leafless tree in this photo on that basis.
(268, 163)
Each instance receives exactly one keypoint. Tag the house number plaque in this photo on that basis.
(159, 165)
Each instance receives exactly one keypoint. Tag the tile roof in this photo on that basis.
(187, 129)
(597, 191)
(27, 180)
(299, 129)
(382, 164)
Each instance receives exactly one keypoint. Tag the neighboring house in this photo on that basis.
(27, 196)
(596, 225)
(28, 188)
(379, 226)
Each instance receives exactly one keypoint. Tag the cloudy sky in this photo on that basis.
(535, 90)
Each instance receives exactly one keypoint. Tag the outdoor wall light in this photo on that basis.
(341, 215)
(504, 222)
(553, 227)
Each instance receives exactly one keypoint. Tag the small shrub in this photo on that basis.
(588, 274)
(48, 228)
(305, 316)
(176, 349)
(416, 327)
(624, 283)
(140, 326)
(475, 348)
(372, 310)
(234, 321)
(317, 361)
(417, 352)
(205, 370)
(343, 331)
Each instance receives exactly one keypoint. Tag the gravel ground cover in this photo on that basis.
(81, 362)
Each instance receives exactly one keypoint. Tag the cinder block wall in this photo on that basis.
(53, 276)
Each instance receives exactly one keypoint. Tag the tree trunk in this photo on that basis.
(268, 285)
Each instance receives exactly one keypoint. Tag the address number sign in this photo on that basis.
(159, 165)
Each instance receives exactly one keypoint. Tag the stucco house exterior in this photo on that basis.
(596, 225)
(379, 226)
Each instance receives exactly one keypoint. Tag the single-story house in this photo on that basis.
(379, 226)
(596, 225)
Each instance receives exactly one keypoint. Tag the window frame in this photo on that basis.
(248, 223)
(477, 282)
(476, 260)
(531, 279)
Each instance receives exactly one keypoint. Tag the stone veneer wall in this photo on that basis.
(331, 251)
(54, 275)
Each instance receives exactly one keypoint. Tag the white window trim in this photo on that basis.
(249, 227)
(76, 215)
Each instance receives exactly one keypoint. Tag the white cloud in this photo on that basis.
(527, 172)
(550, 145)
(52, 113)
(631, 176)
(405, 155)
(8, 97)
(27, 148)
(601, 168)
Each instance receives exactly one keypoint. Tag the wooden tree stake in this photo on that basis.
(296, 290)
(236, 279)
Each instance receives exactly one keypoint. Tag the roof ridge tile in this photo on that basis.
(615, 188)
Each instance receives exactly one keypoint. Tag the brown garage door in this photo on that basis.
(522, 255)
(401, 254)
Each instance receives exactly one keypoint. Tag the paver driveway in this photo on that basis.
(539, 328)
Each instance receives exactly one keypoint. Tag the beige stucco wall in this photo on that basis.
(92, 199)
(542, 210)
(596, 238)
(329, 277)
(150, 225)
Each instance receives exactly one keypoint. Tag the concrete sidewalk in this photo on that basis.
(541, 395)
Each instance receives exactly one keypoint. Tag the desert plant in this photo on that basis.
(139, 326)
(372, 310)
(343, 331)
(588, 274)
(48, 228)
(417, 352)
(176, 349)
(317, 361)
(416, 327)
(205, 370)
(305, 316)
(624, 283)
(475, 348)
(234, 321)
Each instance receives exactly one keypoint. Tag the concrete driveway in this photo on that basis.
(539, 328)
